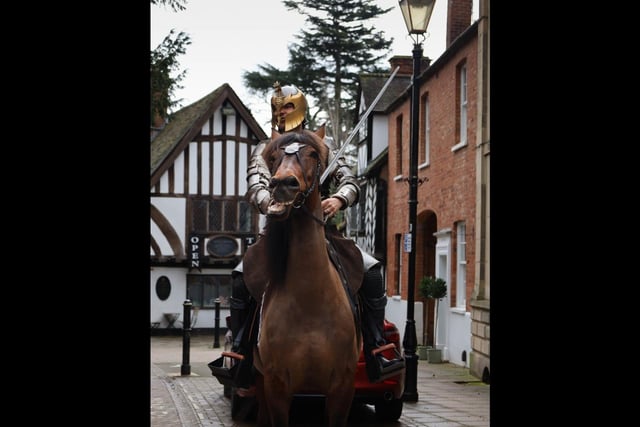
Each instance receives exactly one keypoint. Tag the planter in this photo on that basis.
(422, 352)
(434, 355)
(436, 288)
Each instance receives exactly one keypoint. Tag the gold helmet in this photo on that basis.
(283, 95)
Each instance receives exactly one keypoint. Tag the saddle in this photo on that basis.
(343, 252)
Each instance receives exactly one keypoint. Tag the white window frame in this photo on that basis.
(462, 125)
(461, 265)
(427, 133)
(399, 253)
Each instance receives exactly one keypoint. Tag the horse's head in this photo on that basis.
(296, 161)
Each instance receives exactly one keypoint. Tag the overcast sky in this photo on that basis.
(228, 38)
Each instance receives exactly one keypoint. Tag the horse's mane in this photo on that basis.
(277, 232)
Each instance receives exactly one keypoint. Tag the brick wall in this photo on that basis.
(450, 192)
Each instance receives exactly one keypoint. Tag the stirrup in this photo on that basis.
(225, 373)
(387, 368)
(390, 346)
(232, 354)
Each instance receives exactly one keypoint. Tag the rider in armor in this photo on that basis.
(289, 107)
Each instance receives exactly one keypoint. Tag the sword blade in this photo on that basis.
(355, 130)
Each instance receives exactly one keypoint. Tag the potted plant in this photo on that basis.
(433, 288)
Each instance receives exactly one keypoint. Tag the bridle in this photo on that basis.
(301, 197)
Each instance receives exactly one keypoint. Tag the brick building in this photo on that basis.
(452, 208)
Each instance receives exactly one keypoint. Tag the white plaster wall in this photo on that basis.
(380, 134)
(459, 339)
(173, 304)
(174, 209)
(396, 312)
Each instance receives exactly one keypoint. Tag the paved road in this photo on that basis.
(448, 396)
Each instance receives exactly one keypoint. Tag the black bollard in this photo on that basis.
(185, 368)
(216, 336)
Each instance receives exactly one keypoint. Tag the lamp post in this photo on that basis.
(416, 14)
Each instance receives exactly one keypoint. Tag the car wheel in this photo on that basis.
(389, 410)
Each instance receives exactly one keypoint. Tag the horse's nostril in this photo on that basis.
(291, 181)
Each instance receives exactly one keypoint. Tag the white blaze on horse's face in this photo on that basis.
(293, 148)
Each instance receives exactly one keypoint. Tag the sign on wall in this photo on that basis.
(195, 251)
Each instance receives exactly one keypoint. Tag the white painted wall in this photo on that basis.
(459, 339)
(174, 209)
(379, 134)
(396, 312)
(175, 302)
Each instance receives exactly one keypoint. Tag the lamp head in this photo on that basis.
(416, 14)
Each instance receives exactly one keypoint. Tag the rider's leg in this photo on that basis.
(374, 300)
(239, 307)
(242, 306)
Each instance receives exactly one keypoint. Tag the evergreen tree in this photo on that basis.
(175, 5)
(163, 63)
(324, 62)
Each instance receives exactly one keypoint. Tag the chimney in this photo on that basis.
(158, 120)
(406, 64)
(458, 18)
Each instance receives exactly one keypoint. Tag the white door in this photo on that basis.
(443, 256)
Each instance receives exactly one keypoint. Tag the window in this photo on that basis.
(463, 105)
(204, 289)
(398, 275)
(362, 156)
(461, 266)
(357, 214)
(221, 214)
(399, 145)
(425, 142)
(163, 288)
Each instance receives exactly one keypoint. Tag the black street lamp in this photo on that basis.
(416, 14)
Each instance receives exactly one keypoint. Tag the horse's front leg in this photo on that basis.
(262, 419)
(339, 401)
(278, 400)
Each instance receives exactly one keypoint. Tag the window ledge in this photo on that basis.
(458, 146)
(458, 310)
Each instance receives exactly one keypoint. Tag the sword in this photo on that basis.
(353, 133)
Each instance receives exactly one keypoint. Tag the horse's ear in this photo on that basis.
(274, 134)
(321, 131)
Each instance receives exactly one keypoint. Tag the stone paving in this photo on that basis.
(448, 396)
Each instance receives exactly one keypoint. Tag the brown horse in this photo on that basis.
(308, 341)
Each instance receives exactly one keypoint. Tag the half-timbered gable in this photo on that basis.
(201, 224)
(368, 217)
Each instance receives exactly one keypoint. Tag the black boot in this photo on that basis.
(242, 308)
(239, 308)
(374, 300)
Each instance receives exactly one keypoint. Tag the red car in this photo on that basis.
(385, 396)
